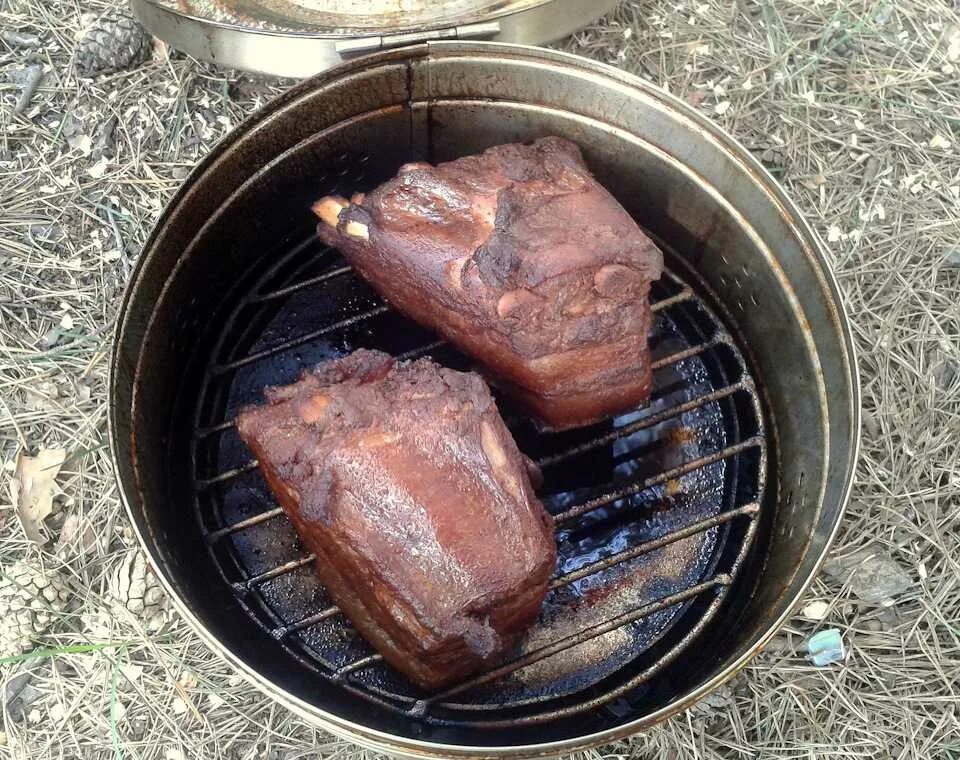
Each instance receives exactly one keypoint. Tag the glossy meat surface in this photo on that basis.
(523, 260)
(412, 493)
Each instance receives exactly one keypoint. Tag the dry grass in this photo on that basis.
(856, 105)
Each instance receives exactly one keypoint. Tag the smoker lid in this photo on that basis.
(299, 38)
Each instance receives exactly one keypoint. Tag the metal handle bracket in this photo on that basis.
(361, 45)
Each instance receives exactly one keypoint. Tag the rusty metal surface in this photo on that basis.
(758, 263)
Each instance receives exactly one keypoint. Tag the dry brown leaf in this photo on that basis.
(33, 487)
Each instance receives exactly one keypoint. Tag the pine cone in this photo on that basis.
(114, 42)
(29, 602)
(135, 588)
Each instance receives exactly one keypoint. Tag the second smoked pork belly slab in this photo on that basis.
(410, 490)
(519, 257)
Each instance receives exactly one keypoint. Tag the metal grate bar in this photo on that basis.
(669, 275)
(684, 295)
(302, 285)
(299, 340)
(317, 617)
(685, 354)
(568, 642)
(276, 572)
(646, 422)
(416, 353)
(204, 432)
(227, 475)
(215, 535)
(353, 667)
(663, 477)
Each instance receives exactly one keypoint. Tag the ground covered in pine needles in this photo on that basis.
(855, 106)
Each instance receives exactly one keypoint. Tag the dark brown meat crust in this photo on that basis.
(412, 493)
(519, 257)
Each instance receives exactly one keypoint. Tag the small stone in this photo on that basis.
(815, 610)
(18, 699)
(81, 143)
(870, 424)
(99, 168)
(872, 575)
(15, 686)
(939, 142)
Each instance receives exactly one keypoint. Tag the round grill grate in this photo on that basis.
(655, 509)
